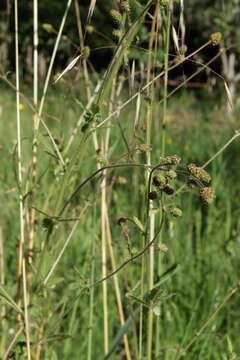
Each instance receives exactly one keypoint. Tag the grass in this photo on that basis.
(175, 299)
(203, 242)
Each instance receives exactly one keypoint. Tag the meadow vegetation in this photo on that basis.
(119, 234)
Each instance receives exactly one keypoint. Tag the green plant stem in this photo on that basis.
(104, 263)
(21, 263)
(92, 293)
(166, 70)
(150, 215)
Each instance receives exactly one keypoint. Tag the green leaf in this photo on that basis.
(8, 299)
(138, 223)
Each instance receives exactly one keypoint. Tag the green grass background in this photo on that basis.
(204, 242)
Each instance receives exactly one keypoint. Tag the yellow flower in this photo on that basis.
(186, 148)
(21, 107)
(169, 140)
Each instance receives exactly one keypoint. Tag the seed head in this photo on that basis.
(116, 15)
(164, 2)
(171, 174)
(153, 195)
(175, 212)
(168, 189)
(90, 29)
(117, 33)
(215, 38)
(207, 194)
(48, 27)
(86, 52)
(199, 173)
(183, 49)
(126, 6)
(173, 159)
(159, 180)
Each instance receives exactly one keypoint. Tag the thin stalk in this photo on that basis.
(2, 282)
(237, 134)
(38, 115)
(166, 69)
(91, 302)
(163, 130)
(35, 103)
(150, 224)
(13, 342)
(81, 40)
(46, 83)
(104, 263)
(22, 281)
(84, 62)
(117, 288)
(39, 345)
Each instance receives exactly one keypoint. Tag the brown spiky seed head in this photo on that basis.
(173, 159)
(168, 189)
(199, 173)
(215, 38)
(175, 212)
(153, 195)
(207, 194)
(159, 180)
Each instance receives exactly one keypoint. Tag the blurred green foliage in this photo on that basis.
(201, 19)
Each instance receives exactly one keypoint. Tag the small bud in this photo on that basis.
(48, 27)
(183, 49)
(144, 147)
(163, 247)
(175, 212)
(207, 195)
(168, 189)
(86, 52)
(171, 174)
(171, 160)
(215, 38)
(159, 180)
(153, 195)
(117, 33)
(164, 2)
(199, 173)
(90, 29)
(116, 15)
(126, 6)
